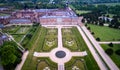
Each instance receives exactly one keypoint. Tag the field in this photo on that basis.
(108, 4)
(79, 11)
(114, 56)
(82, 12)
(105, 33)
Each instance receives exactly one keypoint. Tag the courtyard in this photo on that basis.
(49, 51)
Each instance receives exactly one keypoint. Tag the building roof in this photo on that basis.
(1, 25)
(1, 9)
(17, 21)
(7, 16)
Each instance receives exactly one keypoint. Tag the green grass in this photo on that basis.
(23, 30)
(40, 40)
(18, 37)
(110, 15)
(108, 4)
(72, 7)
(82, 12)
(114, 57)
(11, 30)
(105, 33)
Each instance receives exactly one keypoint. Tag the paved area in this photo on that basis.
(19, 66)
(117, 42)
(96, 56)
(105, 57)
(60, 47)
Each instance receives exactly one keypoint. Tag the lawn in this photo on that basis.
(18, 37)
(82, 12)
(23, 30)
(114, 57)
(108, 4)
(105, 33)
(11, 30)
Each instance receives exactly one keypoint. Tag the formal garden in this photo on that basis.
(50, 39)
(82, 63)
(43, 40)
(76, 63)
(69, 39)
(18, 32)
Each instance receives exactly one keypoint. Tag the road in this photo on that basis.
(105, 57)
(92, 50)
(117, 42)
(24, 57)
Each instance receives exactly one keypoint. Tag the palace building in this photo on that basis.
(44, 17)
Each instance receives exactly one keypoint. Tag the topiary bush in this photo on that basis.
(117, 52)
(110, 44)
(109, 51)
(98, 39)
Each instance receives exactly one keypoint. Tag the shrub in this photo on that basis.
(86, 25)
(117, 52)
(109, 51)
(92, 33)
(98, 39)
(110, 44)
(88, 28)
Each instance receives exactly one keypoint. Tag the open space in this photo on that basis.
(105, 33)
(114, 56)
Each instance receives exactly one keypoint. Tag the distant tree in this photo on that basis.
(109, 51)
(117, 52)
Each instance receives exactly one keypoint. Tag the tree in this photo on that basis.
(109, 51)
(117, 52)
(7, 55)
(83, 20)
